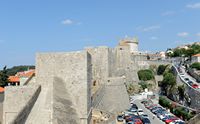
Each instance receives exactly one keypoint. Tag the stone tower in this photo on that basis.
(131, 42)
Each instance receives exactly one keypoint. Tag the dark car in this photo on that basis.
(146, 121)
(187, 79)
(120, 118)
(134, 106)
(190, 83)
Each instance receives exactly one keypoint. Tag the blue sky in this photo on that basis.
(31, 26)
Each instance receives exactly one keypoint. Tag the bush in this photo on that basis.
(143, 85)
(164, 102)
(181, 112)
(195, 65)
(145, 75)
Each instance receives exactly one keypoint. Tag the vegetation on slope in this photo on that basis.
(195, 65)
(146, 75)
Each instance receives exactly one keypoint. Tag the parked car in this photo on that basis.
(150, 106)
(190, 83)
(186, 79)
(195, 86)
(131, 122)
(134, 106)
(177, 122)
(146, 121)
(120, 118)
(159, 111)
(133, 111)
(167, 121)
(137, 121)
(140, 112)
(163, 115)
(144, 116)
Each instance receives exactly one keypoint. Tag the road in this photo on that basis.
(187, 76)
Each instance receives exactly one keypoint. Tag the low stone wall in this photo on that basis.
(18, 103)
(193, 74)
(194, 120)
(193, 93)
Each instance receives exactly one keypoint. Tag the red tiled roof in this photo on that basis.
(26, 73)
(197, 55)
(13, 79)
(1, 89)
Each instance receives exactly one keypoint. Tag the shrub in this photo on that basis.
(145, 75)
(164, 102)
(143, 85)
(195, 65)
(161, 69)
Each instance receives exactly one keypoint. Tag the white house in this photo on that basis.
(196, 58)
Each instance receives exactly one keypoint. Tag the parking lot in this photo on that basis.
(146, 112)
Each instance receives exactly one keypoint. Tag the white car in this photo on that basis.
(163, 115)
(177, 122)
(140, 112)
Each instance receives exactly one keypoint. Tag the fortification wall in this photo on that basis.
(66, 81)
(100, 64)
(115, 98)
(18, 103)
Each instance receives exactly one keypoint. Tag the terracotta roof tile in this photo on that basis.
(197, 55)
(1, 89)
(13, 79)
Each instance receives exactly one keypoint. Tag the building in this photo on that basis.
(14, 80)
(131, 42)
(196, 58)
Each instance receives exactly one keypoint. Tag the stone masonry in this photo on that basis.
(66, 79)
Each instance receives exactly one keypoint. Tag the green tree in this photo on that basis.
(15, 69)
(161, 69)
(168, 83)
(145, 75)
(181, 91)
(3, 77)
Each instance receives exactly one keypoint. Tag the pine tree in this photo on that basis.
(3, 77)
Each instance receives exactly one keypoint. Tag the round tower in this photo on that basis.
(131, 42)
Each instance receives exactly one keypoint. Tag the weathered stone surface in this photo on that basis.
(115, 98)
(18, 103)
(66, 81)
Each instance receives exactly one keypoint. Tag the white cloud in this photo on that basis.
(150, 28)
(153, 38)
(183, 34)
(193, 6)
(168, 13)
(67, 22)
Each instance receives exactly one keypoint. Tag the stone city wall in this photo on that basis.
(18, 103)
(99, 60)
(115, 98)
(66, 81)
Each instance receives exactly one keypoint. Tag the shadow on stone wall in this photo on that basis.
(63, 112)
